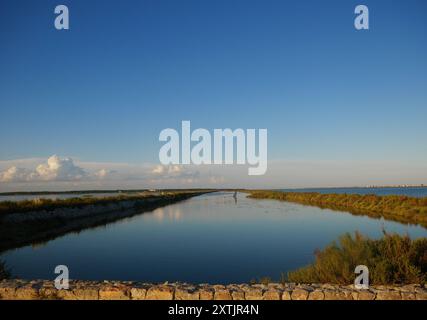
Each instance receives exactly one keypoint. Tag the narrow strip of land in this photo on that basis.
(397, 208)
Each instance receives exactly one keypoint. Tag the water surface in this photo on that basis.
(209, 238)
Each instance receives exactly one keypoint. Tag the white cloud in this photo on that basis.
(216, 179)
(170, 170)
(15, 174)
(66, 174)
(174, 174)
(102, 174)
(55, 169)
(58, 169)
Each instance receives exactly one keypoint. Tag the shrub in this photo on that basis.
(394, 259)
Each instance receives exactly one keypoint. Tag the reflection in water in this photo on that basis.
(171, 213)
(211, 238)
(39, 245)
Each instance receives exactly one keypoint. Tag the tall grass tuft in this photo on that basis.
(4, 272)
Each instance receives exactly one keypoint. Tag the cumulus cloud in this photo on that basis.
(171, 170)
(174, 173)
(216, 179)
(104, 174)
(15, 174)
(55, 169)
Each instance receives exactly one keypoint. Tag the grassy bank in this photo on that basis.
(393, 259)
(398, 208)
(10, 207)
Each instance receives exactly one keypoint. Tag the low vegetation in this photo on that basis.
(4, 272)
(398, 208)
(8, 207)
(393, 259)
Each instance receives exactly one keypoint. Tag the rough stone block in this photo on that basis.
(338, 295)
(286, 295)
(388, 295)
(138, 293)
(299, 294)
(186, 294)
(272, 294)
(162, 292)
(27, 293)
(206, 293)
(108, 292)
(316, 295)
(365, 295)
(222, 294)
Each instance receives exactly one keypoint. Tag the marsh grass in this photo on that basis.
(38, 204)
(394, 259)
(4, 272)
(398, 208)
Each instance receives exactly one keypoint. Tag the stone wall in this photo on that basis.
(113, 290)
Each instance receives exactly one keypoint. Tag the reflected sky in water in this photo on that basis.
(210, 239)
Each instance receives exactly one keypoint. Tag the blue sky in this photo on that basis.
(102, 91)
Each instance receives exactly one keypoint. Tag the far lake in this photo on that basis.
(206, 239)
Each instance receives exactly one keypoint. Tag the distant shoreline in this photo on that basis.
(97, 191)
(19, 193)
(358, 187)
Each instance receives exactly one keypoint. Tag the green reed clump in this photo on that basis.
(399, 208)
(394, 259)
(4, 272)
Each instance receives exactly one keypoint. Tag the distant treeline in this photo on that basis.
(398, 208)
